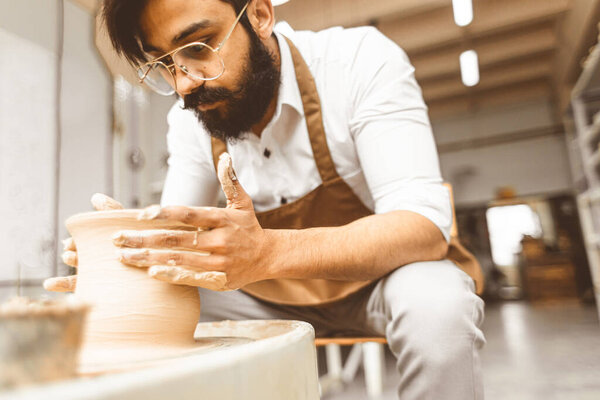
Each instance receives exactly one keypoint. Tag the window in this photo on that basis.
(507, 225)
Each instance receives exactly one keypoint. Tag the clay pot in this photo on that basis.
(133, 318)
(39, 340)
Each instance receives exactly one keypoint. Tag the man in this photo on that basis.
(337, 215)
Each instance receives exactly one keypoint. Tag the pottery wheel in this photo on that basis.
(232, 360)
(118, 359)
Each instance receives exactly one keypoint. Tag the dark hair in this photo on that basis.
(122, 17)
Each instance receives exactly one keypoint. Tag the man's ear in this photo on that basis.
(262, 17)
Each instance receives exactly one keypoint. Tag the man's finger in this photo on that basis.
(69, 244)
(70, 258)
(234, 192)
(102, 202)
(212, 280)
(202, 217)
(193, 260)
(61, 284)
(163, 239)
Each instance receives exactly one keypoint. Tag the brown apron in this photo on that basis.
(333, 203)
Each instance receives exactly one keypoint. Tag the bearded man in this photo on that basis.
(337, 214)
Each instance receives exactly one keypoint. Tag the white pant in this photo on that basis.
(428, 312)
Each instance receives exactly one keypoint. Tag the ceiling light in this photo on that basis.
(463, 12)
(469, 68)
(279, 2)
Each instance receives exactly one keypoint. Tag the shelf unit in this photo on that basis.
(585, 106)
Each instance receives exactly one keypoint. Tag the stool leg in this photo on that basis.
(373, 366)
(333, 379)
(334, 360)
(352, 363)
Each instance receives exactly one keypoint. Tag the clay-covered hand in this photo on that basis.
(100, 202)
(225, 248)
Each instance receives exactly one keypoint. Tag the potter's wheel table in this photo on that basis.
(237, 360)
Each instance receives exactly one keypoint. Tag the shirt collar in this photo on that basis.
(289, 93)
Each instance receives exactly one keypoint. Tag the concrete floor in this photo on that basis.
(547, 352)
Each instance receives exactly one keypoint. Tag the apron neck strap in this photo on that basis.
(313, 116)
(312, 113)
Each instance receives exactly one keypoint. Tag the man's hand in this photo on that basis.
(100, 202)
(227, 250)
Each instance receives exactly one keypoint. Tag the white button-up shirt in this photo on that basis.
(375, 120)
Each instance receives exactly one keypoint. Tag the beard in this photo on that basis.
(244, 107)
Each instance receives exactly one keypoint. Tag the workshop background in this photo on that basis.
(514, 98)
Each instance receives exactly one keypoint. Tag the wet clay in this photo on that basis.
(133, 317)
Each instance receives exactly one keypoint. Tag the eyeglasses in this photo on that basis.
(198, 60)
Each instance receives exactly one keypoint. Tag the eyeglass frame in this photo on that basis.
(171, 67)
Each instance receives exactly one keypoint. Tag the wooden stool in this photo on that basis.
(369, 349)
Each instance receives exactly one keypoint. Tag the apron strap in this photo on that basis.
(312, 114)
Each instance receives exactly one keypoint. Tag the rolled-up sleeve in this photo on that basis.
(392, 133)
(191, 179)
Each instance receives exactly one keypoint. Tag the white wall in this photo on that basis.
(154, 141)
(141, 116)
(27, 139)
(29, 31)
(493, 121)
(533, 166)
(86, 118)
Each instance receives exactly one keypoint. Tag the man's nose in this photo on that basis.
(186, 84)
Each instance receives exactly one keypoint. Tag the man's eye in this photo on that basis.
(163, 59)
(196, 51)
(197, 48)
(206, 40)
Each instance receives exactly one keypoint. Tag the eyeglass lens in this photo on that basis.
(200, 61)
(197, 60)
(158, 78)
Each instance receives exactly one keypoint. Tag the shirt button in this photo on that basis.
(283, 200)
(267, 153)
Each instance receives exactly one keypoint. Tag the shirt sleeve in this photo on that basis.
(392, 133)
(191, 178)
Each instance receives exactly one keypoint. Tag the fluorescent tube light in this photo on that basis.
(469, 68)
(463, 12)
(279, 2)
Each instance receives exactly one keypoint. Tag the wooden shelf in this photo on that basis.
(592, 195)
(589, 80)
(593, 162)
(585, 104)
(596, 119)
(592, 134)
